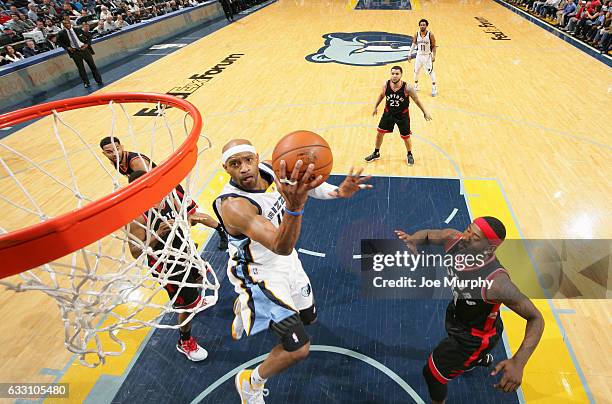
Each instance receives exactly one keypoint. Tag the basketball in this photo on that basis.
(306, 146)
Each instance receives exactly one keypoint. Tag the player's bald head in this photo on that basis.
(235, 142)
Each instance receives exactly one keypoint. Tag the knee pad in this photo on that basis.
(309, 315)
(437, 390)
(291, 332)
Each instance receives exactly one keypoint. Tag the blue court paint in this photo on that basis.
(397, 333)
(319, 348)
(51, 372)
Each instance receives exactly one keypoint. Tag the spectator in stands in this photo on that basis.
(155, 12)
(77, 43)
(172, 5)
(52, 42)
(597, 33)
(606, 39)
(564, 15)
(51, 27)
(32, 12)
(17, 25)
(227, 9)
(10, 55)
(549, 10)
(100, 30)
(77, 5)
(68, 11)
(120, 22)
(48, 9)
(589, 20)
(30, 24)
(571, 23)
(109, 24)
(84, 17)
(104, 13)
(129, 17)
(30, 49)
(40, 27)
(12, 35)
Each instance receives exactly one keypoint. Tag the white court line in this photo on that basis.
(316, 254)
(451, 216)
(318, 348)
(356, 257)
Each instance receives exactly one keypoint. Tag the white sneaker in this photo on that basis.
(237, 325)
(416, 86)
(192, 350)
(249, 394)
(434, 91)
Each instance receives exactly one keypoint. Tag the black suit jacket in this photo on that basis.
(85, 37)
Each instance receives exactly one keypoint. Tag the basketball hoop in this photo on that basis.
(79, 257)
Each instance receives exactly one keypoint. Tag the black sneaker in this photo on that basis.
(484, 362)
(410, 159)
(372, 157)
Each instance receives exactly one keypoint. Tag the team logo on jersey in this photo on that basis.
(306, 290)
(370, 48)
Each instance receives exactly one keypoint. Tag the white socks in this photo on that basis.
(256, 380)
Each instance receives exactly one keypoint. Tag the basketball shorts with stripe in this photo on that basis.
(271, 292)
(460, 351)
(389, 120)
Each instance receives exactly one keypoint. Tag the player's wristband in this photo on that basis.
(292, 213)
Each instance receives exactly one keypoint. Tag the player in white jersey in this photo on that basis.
(425, 43)
(262, 216)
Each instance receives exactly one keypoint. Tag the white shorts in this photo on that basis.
(270, 293)
(423, 62)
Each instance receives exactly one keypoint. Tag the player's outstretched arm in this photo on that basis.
(412, 94)
(349, 187)
(504, 291)
(426, 236)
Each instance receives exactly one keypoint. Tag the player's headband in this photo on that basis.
(241, 148)
(487, 230)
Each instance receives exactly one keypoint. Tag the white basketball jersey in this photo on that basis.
(271, 205)
(423, 44)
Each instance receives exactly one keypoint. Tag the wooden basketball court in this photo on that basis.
(520, 121)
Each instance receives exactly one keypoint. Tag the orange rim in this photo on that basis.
(28, 248)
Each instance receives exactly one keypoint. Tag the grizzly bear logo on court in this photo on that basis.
(370, 48)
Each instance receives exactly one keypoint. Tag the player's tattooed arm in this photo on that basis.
(138, 235)
(427, 236)
(140, 164)
(411, 92)
(504, 291)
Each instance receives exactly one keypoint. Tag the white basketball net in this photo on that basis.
(102, 289)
